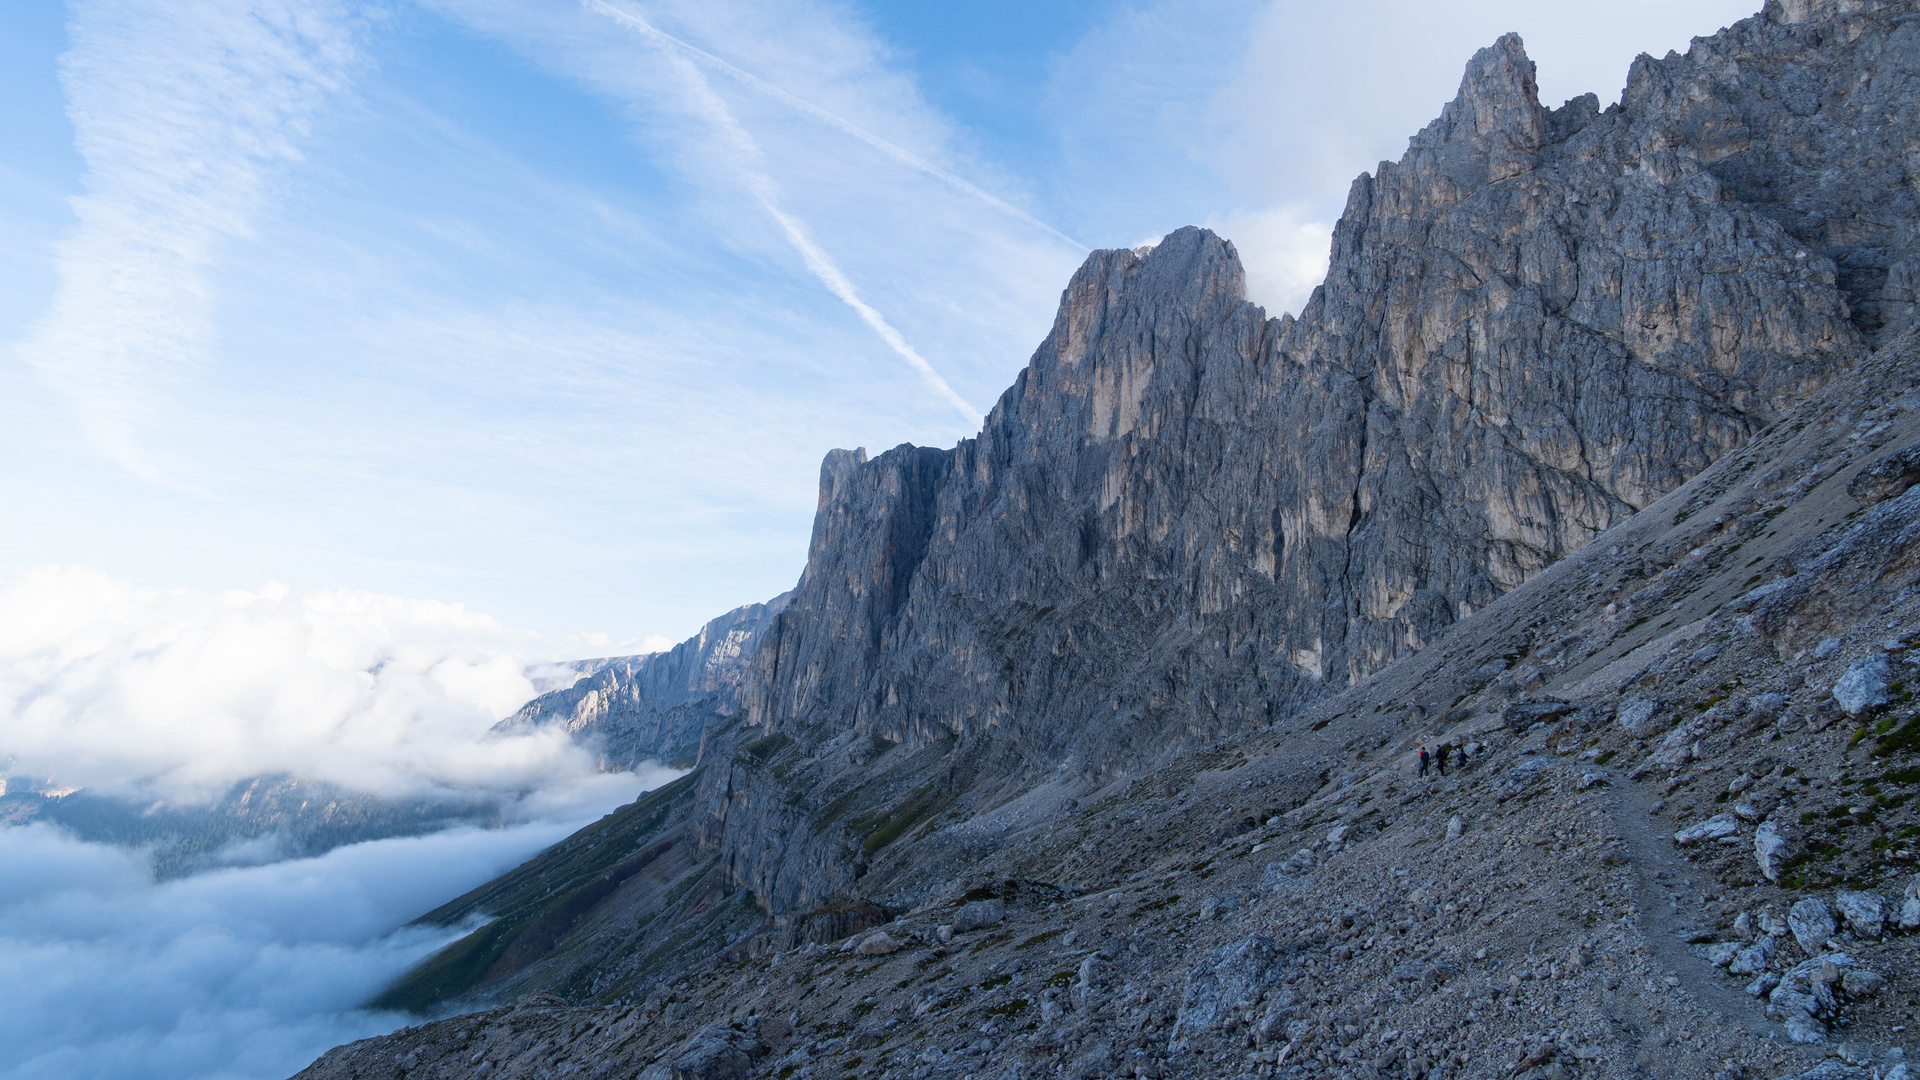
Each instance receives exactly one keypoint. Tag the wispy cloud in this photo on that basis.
(183, 113)
(749, 164)
(632, 19)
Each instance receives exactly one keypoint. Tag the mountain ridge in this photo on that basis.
(1186, 524)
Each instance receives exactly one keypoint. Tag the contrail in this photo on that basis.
(767, 192)
(898, 153)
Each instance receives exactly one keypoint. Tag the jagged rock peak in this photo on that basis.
(1497, 114)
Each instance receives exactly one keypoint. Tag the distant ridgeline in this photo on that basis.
(1187, 521)
(257, 820)
(633, 709)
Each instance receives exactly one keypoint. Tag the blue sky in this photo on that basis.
(550, 309)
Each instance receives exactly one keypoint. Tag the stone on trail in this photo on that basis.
(1634, 715)
(1753, 959)
(1714, 828)
(879, 943)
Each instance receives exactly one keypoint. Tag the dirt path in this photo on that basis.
(1669, 898)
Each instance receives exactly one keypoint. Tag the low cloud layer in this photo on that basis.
(177, 693)
(254, 967)
(247, 972)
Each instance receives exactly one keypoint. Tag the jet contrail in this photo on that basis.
(900, 154)
(748, 155)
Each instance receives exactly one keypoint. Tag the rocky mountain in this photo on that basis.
(1088, 746)
(654, 707)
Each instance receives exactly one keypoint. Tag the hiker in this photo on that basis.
(1445, 752)
(1463, 756)
(1423, 761)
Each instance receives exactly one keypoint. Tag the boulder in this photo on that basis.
(717, 1053)
(1234, 974)
(1522, 715)
(1769, 850)
(1860, 983)
(1865, 912)
(1812, 925)
(1753, 959)
(1910, 905)
(1863, 686)
(979, 914)
(1087, 981)
(879, 943)
(1887, 478)
(1717, 827)
(1635, 716)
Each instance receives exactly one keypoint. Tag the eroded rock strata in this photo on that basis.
(1134, 682)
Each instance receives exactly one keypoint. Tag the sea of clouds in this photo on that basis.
(173, 695)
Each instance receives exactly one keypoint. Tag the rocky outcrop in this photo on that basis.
(654, 707)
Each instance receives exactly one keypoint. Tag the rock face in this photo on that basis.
(1158, 926)
(1185, 518)
(654, 707)
(1187, 527)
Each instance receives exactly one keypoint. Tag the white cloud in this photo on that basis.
(183, 113)
(252, 968)
(246, 972)
(1284, 253)
(1325, 91)
(180, 693)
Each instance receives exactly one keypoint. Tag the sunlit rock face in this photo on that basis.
(1186, 516)
(1187, 522)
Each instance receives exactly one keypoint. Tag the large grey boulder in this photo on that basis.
(978, 915)
(1812, 924)
(1864, 912)
(1863, 686)
(1717, 827)
(717, 1053)
(1635, 716)
(1234, 975)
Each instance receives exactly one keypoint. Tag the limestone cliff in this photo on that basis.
(1187, 522)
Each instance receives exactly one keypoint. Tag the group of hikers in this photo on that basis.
(1446, 752)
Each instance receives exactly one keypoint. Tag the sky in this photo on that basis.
(551, 309)
(361, 358)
